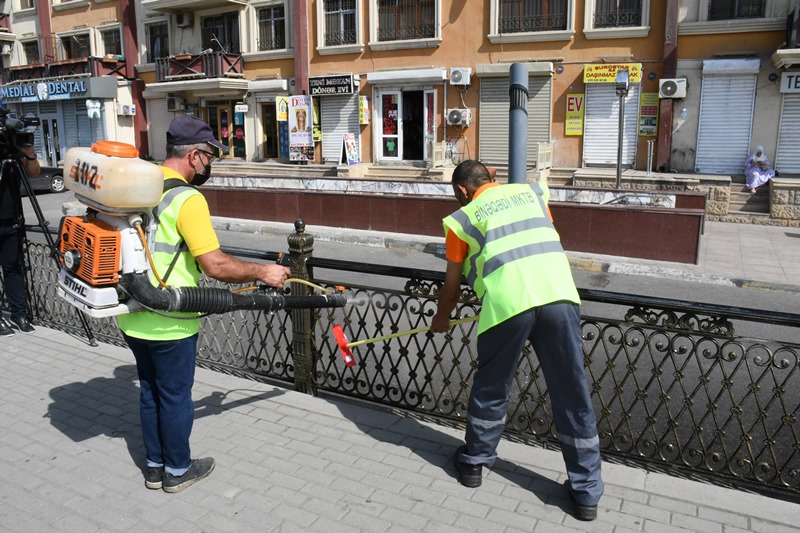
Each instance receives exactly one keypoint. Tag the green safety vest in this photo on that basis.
(177, 268)
(515, 260)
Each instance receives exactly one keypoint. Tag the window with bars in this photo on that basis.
(221, 33)
(340, 22)
(271, 28)
(617, 13)
(112, 43)
(157, 36)
(30, 51)
(403, 20)
(27, 4)
(735, 9)
(75, 46)
(519, 16)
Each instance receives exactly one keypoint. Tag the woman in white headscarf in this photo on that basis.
(757, 170)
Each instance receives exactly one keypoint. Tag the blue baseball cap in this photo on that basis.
(187, 129)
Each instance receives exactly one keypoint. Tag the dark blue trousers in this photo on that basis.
(554, 332)
(13, 278)
(166, 409)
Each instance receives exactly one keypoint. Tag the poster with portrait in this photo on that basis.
(301, 140)
(351, 149)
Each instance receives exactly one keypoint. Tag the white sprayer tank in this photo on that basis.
(111, 174)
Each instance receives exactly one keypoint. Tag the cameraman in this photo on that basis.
(12, 225)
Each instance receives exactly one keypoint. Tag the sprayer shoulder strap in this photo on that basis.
(171, 184)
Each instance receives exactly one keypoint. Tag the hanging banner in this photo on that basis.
(607, 72)
(301, 140)
(648, 115)
(282, 108)
(573, 122)
(363, 110)
(317, 128)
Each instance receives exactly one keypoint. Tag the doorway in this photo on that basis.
(51, 140)
(219, 118)
(269, 123)
(406, 127)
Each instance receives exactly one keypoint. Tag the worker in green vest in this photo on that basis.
(503, 242)
(165, 346)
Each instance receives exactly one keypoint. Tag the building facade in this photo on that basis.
(421, 82)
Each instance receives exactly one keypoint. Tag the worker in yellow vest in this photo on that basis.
(503, 242)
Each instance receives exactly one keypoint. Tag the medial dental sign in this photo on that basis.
(45, 90)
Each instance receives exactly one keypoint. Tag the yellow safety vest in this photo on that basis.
(515, 260)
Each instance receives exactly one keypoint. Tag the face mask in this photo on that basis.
(202, 177)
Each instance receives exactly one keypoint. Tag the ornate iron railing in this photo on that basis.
(675, 388)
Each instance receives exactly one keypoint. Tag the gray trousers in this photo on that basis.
(554, 332)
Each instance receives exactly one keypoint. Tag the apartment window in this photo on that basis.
(735, 9)
(271, 28)
(402, 20)
(617, 13)
(30, 51)
(340, 22)
(221, 33)
(75, 46)
(157, 36)
(112, 43)
(27, 4)
(522, 16)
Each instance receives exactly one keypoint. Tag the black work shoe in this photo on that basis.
(468, 475)
(5, 331)
(585, 513)
(199, 469)
(21, 323)
(153, 477)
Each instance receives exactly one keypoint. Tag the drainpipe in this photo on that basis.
(669, 70)
(45, 28)
(131, 46)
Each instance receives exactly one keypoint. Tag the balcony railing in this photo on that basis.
(82, 66)
(736, 9)
(201, 66)
(615, 18)
(514, 24)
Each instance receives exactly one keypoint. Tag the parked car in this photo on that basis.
(49, 179)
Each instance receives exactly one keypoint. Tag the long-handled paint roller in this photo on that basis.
(347, 354)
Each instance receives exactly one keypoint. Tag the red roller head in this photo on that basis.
(341, 340)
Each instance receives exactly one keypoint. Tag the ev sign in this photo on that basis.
(573, 123)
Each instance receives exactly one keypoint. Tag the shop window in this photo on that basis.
(30, 51)
(75, 46)
(112, 42)
(520, 16)
(735, 9)
(157, 36)
(403, 20)
(340, 22)
(271, 28)
(221, 33)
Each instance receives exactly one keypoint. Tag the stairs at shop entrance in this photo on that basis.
(742, 202)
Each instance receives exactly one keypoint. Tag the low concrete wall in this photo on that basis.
(784, 200)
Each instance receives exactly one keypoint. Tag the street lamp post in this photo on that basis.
(622, 83)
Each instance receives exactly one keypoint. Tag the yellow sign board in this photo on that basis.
(607, 72)
(648, 115)
(573, 123)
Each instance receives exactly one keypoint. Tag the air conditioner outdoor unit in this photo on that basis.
(6, 50)
(672, 88)
(123, 110)
(460, 75)
(175, 103)
(458, 117)
(183, 20)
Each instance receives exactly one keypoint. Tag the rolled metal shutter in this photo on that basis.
(493, 118)
(338, 115)
(70, 129)
(159, 119)
(726, 120)
(601, 125)
(787, 158)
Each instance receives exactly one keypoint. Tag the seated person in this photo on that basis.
(757, 170)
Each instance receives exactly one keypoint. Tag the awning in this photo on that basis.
(431, 75)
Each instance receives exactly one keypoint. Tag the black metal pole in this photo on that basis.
(518, 124)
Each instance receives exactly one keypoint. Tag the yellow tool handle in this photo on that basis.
(410, 332)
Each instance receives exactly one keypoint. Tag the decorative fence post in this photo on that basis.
(301, 247)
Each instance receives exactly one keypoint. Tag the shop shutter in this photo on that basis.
(726, 118)
(493, 119)
(159, 119)
(601, 125)
(70, 129)
(338, 115)
(787, 158)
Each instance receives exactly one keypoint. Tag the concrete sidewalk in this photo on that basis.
(292, 462)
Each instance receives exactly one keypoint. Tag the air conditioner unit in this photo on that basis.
(175, 103)
(6, 50)
(458, 117)
(183, 20)
(123, 110)
(672, 88)
(460, 75)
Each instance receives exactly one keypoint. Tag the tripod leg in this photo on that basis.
(17, 168)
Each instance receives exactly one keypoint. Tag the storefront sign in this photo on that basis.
(328, 85)
(240, 108)
(363, 109)
(607, 72)
(282, 108)
(790, 82)
(648, 114)
(43, 91)
(573, 123)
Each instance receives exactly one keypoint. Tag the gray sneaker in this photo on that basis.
(199, 469)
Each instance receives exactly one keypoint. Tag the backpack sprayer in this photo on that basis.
(105, 254)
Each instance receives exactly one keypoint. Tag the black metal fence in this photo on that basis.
(675, 388)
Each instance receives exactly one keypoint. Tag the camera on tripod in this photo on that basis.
(16, 133)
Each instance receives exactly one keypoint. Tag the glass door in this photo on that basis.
(391, 135)
(430, 123)
(219, 118)
(51, 141)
